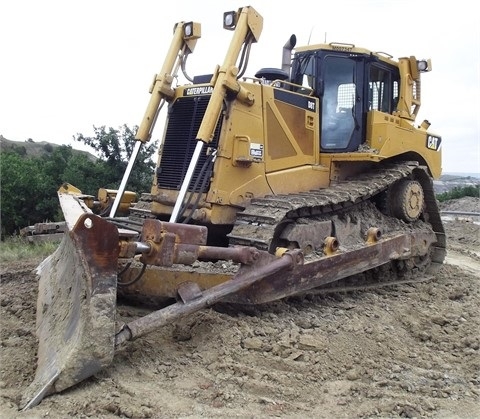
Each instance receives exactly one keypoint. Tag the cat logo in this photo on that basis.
(433, 143)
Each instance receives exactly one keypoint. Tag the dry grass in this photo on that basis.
(18, 248)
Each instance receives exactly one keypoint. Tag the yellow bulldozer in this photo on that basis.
(308, 178)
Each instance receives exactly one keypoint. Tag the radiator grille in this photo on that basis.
(185, 117)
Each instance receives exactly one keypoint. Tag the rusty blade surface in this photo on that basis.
(75, 308)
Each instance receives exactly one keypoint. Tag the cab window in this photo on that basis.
(383, 89)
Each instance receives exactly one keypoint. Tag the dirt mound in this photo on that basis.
(404, 351)
(467, 204)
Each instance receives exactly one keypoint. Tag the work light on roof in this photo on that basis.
(422, 65)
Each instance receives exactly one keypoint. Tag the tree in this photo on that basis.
(27, 196)
(85, 174)
(114, 148)
(29, 184)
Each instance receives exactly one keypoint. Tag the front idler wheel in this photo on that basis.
(407, 200)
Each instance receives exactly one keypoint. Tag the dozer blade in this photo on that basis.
(76, 308)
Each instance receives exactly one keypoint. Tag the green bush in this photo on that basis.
(460, 192)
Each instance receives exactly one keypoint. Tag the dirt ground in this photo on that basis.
(405, 351)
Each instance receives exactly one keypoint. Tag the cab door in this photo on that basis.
(342, 104)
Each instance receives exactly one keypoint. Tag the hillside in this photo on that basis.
(31, 148)
(449, 181)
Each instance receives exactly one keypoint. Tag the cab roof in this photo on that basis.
(343, 47)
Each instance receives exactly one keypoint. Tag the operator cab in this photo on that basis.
(349, 82)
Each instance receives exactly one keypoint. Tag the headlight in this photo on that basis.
(187, 29)
(191, 30)
(229, 20)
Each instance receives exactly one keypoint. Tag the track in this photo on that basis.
(302, 220)
(258, 224)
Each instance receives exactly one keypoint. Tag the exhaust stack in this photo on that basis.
(287, 53)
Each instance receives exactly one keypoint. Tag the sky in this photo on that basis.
(68, 66)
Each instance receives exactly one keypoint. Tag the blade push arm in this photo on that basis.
(184, 40)
(247, 25)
